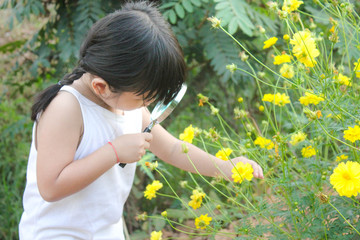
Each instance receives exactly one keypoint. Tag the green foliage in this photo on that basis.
(175, 10)
(15, 136)
(221, 51)
(238, 14)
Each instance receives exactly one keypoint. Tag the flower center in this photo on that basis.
(346, 176)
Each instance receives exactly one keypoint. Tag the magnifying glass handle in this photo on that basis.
(147, 129)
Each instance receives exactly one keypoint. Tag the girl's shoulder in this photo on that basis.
(62, 115)
(65, 104)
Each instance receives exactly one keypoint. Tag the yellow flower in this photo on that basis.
(164, 214)
(261, 108)
(202, 99)
(346, 179)
(341, 157)
(304, 48)
(357, 68)
(281, 99)
(188, 134)
(291, 5)
(240, 99)
(308, 151)
(278, 99)
(283, 58)
(196, 199)
(151, 189)
(343, 80)
(352, 134)
(271, 41)
(286, 37)
(332, 29)
(268, 97)
(310, 98)
(224, 154)
(156, 235)
(297, 138)
(287, 71)
(264, 143)
(202, 221)
(242, 171)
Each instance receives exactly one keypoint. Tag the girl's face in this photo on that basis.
(127, 101)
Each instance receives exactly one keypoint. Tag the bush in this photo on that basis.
(303, 129)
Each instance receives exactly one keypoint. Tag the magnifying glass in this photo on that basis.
(161, 111)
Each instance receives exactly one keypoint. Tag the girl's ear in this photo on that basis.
(100, 87)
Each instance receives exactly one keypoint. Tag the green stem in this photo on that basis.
(344, 218)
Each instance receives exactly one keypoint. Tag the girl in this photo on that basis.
(93, 119)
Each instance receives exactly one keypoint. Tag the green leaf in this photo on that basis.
(221, 51)
(188, 6)
(167, 5)
(233, 25)
(221, 6)
(179, 10)
(196, 2)
(12, 46)
(238, 14)
(172, 16)
(179, 213)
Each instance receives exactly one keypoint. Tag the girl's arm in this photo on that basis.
(58, 135)
(169, 149)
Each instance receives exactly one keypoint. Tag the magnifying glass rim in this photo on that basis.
(155, 114)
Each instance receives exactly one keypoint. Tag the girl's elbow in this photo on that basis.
(49, 195)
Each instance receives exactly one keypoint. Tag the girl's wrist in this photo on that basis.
(114, 150)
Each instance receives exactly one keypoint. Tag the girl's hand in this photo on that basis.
(258, 172)
(131, 147)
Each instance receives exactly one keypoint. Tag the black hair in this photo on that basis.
(133, 50)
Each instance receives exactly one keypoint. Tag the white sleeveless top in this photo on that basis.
(96, 211)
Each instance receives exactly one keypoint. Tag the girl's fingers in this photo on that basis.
(148, 137)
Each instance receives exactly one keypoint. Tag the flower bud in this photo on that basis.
(231, 67)
(215, 22)
(243, 56)
(273, 6)
(164, 214)
(261, 74)
(184, 148)
(249, 127)
(214, 110)
(295, 17)
(141, 217)
(322, 197)
(282, 14)
(261, 30)
(183, 184)
(312, 25)
(240, 113)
